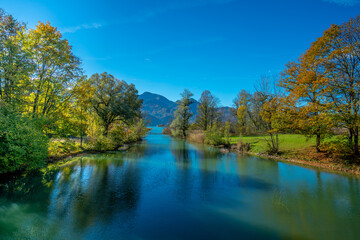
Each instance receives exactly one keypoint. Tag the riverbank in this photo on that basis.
(323, 163)
(294, 149)
(297, 149)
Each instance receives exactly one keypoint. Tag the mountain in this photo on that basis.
(158, 109)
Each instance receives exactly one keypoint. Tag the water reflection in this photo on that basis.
(161, 187)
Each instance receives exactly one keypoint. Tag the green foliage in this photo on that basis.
(102, 143)
(207, 111)
(227, 129)
(64, 147)
(215, 136)
(182, 115)
(137, 131)
(119, 134)
(338, 146)
(114, 100)
(22, 144)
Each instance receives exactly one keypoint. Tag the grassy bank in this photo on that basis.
(298, 149)
(293, 148)
(289, 143)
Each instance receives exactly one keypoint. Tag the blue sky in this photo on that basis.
(164, 46)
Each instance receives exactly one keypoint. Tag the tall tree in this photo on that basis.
(307, 83)
(343, 64)
(114, 100)
(182, 114)
(56, 70)
(14, 61)
(207, 110)
(272, 111)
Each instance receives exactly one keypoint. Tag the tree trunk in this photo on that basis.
(318, 141)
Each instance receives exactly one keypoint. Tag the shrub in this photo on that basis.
(22, 144)
(339, 146)
(197, 136)
(63, 147)
(119, 134)
(136, 132)
(214, 136)
(102, 143)
(243, 147)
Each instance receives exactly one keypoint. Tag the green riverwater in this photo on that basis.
(165, 188)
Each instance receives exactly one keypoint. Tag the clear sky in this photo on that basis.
(164, 46)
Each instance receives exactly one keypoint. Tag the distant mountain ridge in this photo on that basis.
(158, 109)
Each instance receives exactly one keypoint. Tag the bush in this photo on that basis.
(119, 134)
(102, 143)
(243, 147)
(197, 136)
(339, 146)
(136, 132)
(22, 144)
(214, 136)
(63, 147)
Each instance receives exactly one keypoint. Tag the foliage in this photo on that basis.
(114, 100)
(247, 111)
(306, 81)
(22, 144)
(15, 63)
(182, 115)
(207, 113)
(42, 79)
(338, 146)
(227, 128)
(215, 136)
(119, 134)
(56, 69)
(137, 131)
(102, 143)
(58, 148)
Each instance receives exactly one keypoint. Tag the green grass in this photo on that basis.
(287, 142)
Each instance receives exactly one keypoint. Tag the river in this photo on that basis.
(164, 188)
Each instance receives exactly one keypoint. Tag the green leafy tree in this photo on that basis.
(15, 64)
(56, 70)
(114, 100)
(182, 115)
(207, 110)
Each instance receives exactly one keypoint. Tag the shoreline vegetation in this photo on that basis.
(298, 150)
(49, 109)
(308, 114)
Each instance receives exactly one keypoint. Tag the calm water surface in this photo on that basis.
(169, 189)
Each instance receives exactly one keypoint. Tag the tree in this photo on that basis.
(307, 81)
(243, 111)
(248, 107)
(207, 110)
(56, 70)
(82, 94)
(182, 115)
(272, 111)
(343, 65)
(114, 100)
(14, 61)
